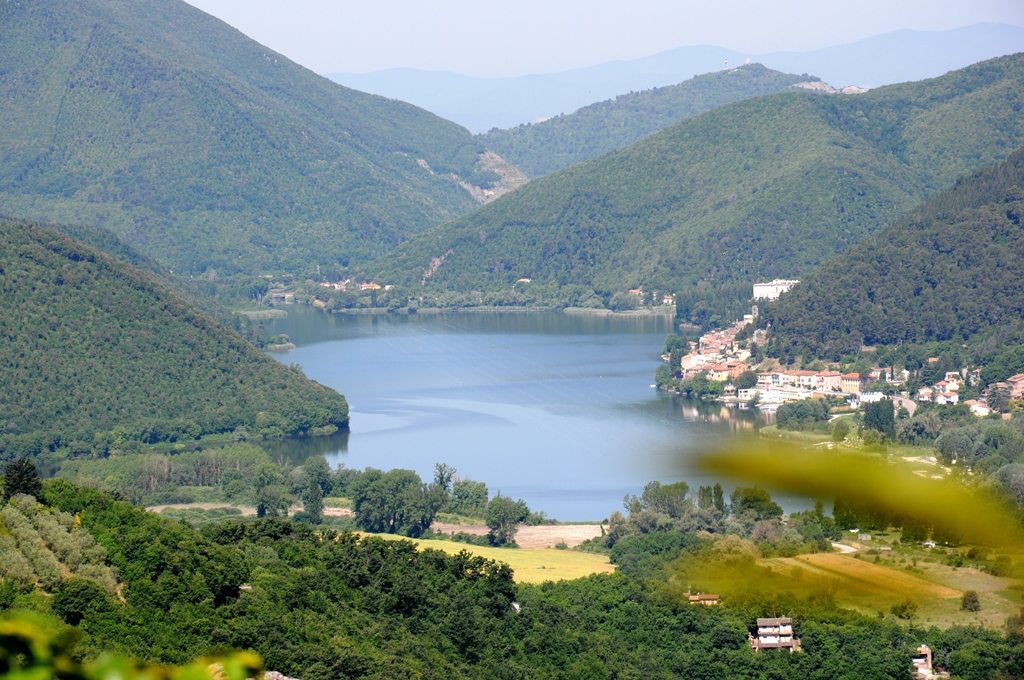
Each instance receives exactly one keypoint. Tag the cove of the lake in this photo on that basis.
(553, 408)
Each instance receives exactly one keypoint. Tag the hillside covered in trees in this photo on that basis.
(557, 143)
(949, 270)
(320, 604)
(96, 352)
(206, 150)
(767, 187)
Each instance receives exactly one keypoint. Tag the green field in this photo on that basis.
(530, 565)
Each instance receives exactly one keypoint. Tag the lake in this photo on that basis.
(553, 408)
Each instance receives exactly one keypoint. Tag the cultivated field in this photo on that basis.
(530, 565)
(935, 588)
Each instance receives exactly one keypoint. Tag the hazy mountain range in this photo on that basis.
(484, 103)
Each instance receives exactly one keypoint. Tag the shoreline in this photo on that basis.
(661, 310)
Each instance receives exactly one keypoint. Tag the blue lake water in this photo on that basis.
(555, 409)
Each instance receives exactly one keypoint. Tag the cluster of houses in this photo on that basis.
(717, 354)
(655, 297)
(349, 284)
(945, 391)
(1014, 386)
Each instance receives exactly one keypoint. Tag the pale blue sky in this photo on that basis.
(482, 38)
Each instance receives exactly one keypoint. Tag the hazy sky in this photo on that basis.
(482, 38)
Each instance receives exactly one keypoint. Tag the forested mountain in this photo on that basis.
(559, 142)
(767, 187)
(949, 270)
(204, 149)
(96, 353)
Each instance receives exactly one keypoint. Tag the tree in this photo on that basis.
(718, 497)
(20, 476)
(78, 597)
(999, 397)
(269, 494)
(840, 427)
(669, 499)
(755, 500)
(970, 601)
(956, 445)
(319, 471)
(879, 416)
(503, 518)
(443, 476)
(906, 609)
(746, 380)
(468, 497)
(395, 502)
(313, 500)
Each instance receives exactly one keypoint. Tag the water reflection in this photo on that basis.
(294, 451)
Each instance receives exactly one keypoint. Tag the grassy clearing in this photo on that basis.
(935, 588)
(530, 565)
(807, 437)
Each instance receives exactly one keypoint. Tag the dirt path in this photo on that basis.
(843, 548)
(246, 510)
(542, 536)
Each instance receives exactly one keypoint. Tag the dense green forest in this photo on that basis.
(97, 354)
(948, 271)
(208, 151)
(315, 603)
(557, 143)
(771, 186)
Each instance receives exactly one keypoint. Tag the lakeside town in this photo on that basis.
(727, 365)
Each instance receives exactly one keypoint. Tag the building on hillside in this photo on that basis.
(977, 408)
(851, 383)
(703, 599)
(1016, 383)
(774, 633)
(284, 297)
(773, 289)
(716, 372)
(922, 662)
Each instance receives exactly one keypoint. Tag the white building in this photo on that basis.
(773, 289)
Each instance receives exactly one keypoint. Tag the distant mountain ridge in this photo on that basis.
(949, 270)
(767, 187)
(559, 142)
(481, 104)
(207, 151)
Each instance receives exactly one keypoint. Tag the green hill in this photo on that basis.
(565, 140)
(97, 353)
(949, 270)
(767, 187)
(206, 150)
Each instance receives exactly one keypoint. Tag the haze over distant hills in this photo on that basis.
(484, 103)
(765, 187)
(206, 150)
